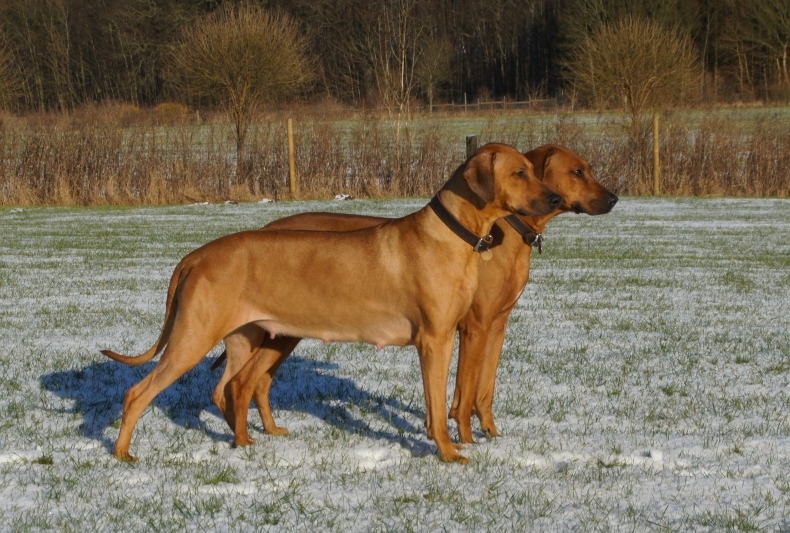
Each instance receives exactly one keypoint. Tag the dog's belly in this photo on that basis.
(392, 332)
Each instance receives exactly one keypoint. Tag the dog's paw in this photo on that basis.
(457, 458)
(491, 433)
(125, 457)
(278, 432)
(242, 441)
(452, 456)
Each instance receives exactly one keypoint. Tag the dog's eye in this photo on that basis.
(521, 174)
(579, 172)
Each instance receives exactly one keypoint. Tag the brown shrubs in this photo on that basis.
(61, 160)
(170, 113)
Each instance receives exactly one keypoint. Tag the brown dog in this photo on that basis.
(407, 281)
(482, 330)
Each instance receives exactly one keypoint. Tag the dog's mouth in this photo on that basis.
(598, 206)
(526, 213)
(539, 207)
(601, 206)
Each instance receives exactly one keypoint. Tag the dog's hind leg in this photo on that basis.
(184, 350)
(279, 349)
(240, 347)
(241, 388)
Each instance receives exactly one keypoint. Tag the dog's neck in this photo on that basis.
(538, 224)
(467, 207)
(474, 218)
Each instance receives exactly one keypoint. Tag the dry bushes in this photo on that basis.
(88, 159)
(720, 157)
(170, 113)
(717, 154)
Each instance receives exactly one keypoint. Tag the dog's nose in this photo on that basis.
(613, 200)
(554, 200)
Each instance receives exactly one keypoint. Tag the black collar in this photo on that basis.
(479, 244)
(530, 236)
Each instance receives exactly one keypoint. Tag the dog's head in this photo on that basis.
(567, 173)
(502, 177)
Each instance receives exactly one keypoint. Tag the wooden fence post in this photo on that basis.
(292, 159)
(656, 161)
(465, 110)
(471, 145)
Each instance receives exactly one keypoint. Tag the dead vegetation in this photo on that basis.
(125, 155)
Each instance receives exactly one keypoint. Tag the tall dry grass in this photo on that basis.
(123, 155)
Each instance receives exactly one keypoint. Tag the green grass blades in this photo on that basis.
(642, 386)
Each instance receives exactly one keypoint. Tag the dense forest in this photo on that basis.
(61, 54)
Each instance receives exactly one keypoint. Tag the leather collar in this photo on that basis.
(530, 236)
(479, 244)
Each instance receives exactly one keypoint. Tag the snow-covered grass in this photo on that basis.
(643, 386)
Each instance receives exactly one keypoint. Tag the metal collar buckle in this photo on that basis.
(528, 235)
(538, 242)
(484, 244)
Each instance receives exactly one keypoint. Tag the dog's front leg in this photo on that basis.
(486, 376)
(473, 336)
(435, 352)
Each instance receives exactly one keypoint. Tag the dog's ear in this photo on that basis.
(550, 152)
(540, 157)
(479, 174)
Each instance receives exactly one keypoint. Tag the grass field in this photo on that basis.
(643, 386)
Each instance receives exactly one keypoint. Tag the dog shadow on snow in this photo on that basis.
(301, 384)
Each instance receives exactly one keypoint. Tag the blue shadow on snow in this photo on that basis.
(301, 384)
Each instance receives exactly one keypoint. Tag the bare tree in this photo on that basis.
(435, 66)
(40, 31)
(634, 64)
(393, 49)
(759, 39)
(239, 58)
(394, 52)
(11, 84)
(339, 31)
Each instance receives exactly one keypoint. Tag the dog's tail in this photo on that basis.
(171, 309)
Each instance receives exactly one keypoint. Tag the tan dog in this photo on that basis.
(482, 330)
(407, 281)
